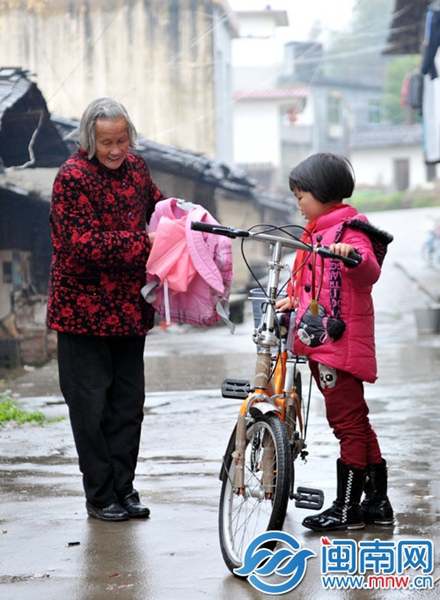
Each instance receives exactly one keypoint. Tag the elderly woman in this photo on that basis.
(103, 197)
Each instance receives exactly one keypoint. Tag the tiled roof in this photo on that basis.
(27, 137)
(386, 135)
(13, 86)
(196, 165)
(177, 161)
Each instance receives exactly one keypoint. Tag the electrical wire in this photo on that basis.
(268, 229)
(173, 60)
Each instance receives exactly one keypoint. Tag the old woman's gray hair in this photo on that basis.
(102, 108)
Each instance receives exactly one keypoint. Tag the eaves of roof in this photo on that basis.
(280, 17)
(231, 17)
(279, 202)
(384, 136)
(13, 86)
(272, 94)
(178, 162)
(196, 166)
(407, 27)
(24, 118)
(358, 83)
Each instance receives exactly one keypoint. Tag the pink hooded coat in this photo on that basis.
(355, 351)
(189, 272)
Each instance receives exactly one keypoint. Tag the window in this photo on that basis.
(374, 110)
(334, 112)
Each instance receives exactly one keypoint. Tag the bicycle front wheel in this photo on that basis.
(262, 504)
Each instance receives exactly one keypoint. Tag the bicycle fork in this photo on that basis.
(257, 400)
(287, 406)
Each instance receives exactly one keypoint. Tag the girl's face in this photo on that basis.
(112, 141)
(309, 206)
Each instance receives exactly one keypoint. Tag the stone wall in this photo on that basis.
(155, 56)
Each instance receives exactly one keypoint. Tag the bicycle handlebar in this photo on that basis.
(230, 232)
(353, 260)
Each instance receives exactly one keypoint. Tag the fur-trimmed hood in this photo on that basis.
(379, 238)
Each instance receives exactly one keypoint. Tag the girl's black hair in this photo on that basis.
(327, 176)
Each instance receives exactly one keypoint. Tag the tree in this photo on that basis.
(357, 50)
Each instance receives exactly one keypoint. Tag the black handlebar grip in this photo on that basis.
(230, 232)
(353, 260)
(199, 226)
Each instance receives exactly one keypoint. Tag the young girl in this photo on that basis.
(334, 328)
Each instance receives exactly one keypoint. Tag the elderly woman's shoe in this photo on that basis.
(134, 507)
(113, 512)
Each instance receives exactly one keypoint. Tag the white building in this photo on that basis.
(260, 104)
(286, 109)
(389, 157)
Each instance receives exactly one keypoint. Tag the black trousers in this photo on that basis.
(102, 381)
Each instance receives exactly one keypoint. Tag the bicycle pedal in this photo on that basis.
(236, 388)
(309, 498)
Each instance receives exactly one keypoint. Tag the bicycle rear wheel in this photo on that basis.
(427, 251)
(262, 504)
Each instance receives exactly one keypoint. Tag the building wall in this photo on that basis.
(256, 132)
(257, 58)
(353, 101)
(155, 56)
(223, 89)
(241, 214)
(375, 167)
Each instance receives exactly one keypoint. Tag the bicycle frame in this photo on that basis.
(257, 472)
(272, 392)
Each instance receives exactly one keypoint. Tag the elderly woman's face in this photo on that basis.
(112, 141)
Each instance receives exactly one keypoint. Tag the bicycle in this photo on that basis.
(257, 471)
(431, 247)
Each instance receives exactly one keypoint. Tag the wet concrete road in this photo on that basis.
(50, 550)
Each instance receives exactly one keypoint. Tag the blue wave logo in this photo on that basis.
(260, 562)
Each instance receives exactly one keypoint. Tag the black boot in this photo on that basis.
(376, 507)
(345, 512)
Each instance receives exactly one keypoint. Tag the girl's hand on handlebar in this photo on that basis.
(342, 249)
(284, 304)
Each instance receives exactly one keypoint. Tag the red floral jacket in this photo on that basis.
(98, 222)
